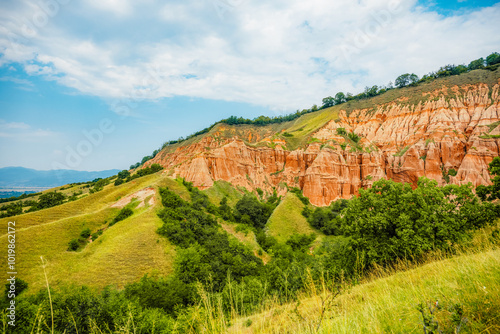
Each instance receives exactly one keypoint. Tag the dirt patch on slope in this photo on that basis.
(141, 195)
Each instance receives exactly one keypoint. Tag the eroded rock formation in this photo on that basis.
(449, 129)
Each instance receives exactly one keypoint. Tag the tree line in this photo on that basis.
(404, 80)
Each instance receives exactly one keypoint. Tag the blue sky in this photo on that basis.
(136, 74)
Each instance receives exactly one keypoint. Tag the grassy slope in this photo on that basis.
(223, 188)
(287, 219)
(387, 305)
(124, 253)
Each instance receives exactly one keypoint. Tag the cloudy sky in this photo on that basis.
(98, 84)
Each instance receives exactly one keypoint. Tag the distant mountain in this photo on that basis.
(20, 177)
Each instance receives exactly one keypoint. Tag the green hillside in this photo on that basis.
(287, 219)
(122, 254)
(389, 304)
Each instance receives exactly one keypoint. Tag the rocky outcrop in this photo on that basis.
(449, 130)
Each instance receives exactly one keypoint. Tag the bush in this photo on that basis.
(225, 211)
(96, 235)
(20, 287)
(73, 245)
(341, 132)
(85, 233)
(258, 213)
(354, 137)
(301, 242)
(206, 254)
(49, 200)
(124, 213)
(391, 220)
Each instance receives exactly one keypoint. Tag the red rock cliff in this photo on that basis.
(448, 129)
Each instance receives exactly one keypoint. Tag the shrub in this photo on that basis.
(257, 212)
(391, 220)
(49, 200)
(96, 235)
(73, 245)
(301, 196)
(354, 137)
(123, 174)
(20, 287)
(301, 242)
(124, 213)
(341, 132)
(85, 233)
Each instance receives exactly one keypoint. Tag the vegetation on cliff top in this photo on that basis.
(405, 80)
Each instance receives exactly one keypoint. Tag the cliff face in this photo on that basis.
(448, 129)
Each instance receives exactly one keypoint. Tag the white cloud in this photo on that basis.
(117, 7)
(22, 131)
(22, 82)
(281, 54)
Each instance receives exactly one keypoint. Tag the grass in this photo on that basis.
(122, 254)
(223, 188)
(86, 205)
(402, 151)
(287, 219)
(387, 302)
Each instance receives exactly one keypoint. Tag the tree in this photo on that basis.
(257, 212)
(406, 79)
(371, 91)
(491, 192)
(328, 102)
(403, 80)
(49, 200)
(123, 174)
(493, 59)
(340, 98)
(413, 79)
(476, 64)
(391, 220)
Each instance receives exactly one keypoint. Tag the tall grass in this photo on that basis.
(385, 301)
(387, 298)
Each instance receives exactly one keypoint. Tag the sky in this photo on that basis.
(98, 84)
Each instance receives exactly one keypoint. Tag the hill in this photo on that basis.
(464, 288)
(151, 249)
(446, 130)
(20, 177)
(122, 254)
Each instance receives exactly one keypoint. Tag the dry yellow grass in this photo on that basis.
(123, 254)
